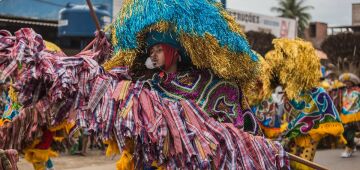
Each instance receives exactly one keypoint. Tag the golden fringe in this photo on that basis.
(273, 133)
(262, 90)
(207, 53)
(12, 93)
(355, 117)
(114, 39)
(120, 59)
(112, 148)
(296, 64)
(125, 162)
(3, 121)
(337, 84)
(204, 51)
(58, 138)
(303, 140)
(65, 125)
(126, 57)
(39, 155)
(315, 135)
(326, 85)
(234, 26)
(51, 46)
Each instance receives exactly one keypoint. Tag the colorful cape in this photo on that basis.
(312, 113)
(347, 100)
(271, 117)
(11, 110)
(220, 99)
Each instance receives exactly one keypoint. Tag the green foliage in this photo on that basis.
(295, 9)
(343, 50)
(260, 42)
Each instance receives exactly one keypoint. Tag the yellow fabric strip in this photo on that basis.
(331, 128)
(315, 135)
(125, 162)
(39, 155)
(112, 148)
(124, 90)
(127, 109)
(272, 133)
(350, 118)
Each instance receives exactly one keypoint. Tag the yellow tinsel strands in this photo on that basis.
(234, 26)
(126, 161)
(205, 52)
(52, 47)
(62, 126)
(127, 57)
(12, 94)
(325, 129)
(296, 64)
(223, 62)
(114, 39)
(262, 89)
(112, 148)
(120, 59)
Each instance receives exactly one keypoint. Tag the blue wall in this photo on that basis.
(42, 9)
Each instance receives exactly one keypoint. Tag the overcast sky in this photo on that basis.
(333, 12)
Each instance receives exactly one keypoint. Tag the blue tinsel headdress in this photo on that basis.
(209, 35)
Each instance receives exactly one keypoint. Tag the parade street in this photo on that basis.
(96, 161)
(332, 160)
(179, 84)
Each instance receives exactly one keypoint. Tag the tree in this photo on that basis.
(295, 9)
(260, 42)
(343, 50)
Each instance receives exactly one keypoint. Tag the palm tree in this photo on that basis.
(295, 9)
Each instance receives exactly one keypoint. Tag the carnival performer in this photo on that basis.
(348, 100)
(9, 157)
(11, 107)
(292, 106)
(187, 114)
(39, 152)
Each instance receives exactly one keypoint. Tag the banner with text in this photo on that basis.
(278, 26)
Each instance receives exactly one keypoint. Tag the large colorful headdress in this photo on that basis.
(295, 64)
(209, 36)
(349, 77)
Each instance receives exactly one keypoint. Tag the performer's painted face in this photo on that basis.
(278, 95)
(157, 55)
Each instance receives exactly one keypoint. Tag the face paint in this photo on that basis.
(278, 95)
(149, 64)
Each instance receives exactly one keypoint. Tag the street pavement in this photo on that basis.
(332, 160)
(95, 160)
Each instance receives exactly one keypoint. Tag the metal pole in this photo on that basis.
(96, 21)
(93, 15)
(223, 3)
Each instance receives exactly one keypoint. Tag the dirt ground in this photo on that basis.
(94, 160)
